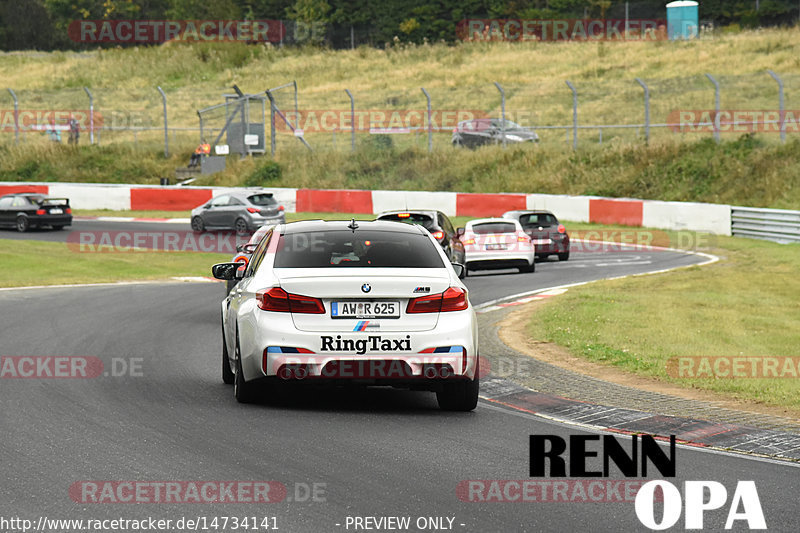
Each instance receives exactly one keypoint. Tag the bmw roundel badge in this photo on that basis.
(366, 287)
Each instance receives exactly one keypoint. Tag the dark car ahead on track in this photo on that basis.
(31, 210)
(435, 222)
(549, 236)
(480, 131)
(241, 212)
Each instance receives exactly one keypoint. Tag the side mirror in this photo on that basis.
(460, 269)
(207, 206)
(226, 271)
(460, 232)
(240, 271)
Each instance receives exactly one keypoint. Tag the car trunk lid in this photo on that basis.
(345, 293)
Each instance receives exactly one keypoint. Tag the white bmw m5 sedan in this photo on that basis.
(369, 303)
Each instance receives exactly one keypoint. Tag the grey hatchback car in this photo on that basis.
(241, 212)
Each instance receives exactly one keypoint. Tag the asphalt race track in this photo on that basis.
(371, 453)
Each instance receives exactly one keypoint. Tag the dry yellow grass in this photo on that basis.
(458, 77)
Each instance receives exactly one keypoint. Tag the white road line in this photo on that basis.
(597, 429)
(709, 260)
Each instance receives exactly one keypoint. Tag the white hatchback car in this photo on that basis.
(372, 303)
(495, 243)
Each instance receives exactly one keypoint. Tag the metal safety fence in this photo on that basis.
(592, 109)
(777, 225)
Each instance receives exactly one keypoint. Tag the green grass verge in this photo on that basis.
(28, 263)
(689, 170)
(748, 304)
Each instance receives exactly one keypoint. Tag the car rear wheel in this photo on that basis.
(23, 224)
(563, 257)
(198, 225)
(228, 377)
(527, 269)
(58, 227)
(461, 395)
(240, 226)
(243, 391)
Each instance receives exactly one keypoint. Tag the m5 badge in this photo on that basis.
(422, 289)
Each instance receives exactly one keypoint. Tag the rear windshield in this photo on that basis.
(412, 218)
(494, 227)
(538, 219)
(262, 199)
(364, 248)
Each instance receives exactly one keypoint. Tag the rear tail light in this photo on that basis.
(40, 211)
(561, 228)
(252, 210)
(453, 299)
(278, 300)
(438, 235)
(280, 208)
(69, 211)
(523, 237)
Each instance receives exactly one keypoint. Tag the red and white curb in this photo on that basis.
(712, 218)
(546, 293)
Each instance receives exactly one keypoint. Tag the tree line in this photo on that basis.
(44, 24)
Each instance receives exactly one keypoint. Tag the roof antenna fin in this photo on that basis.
(353, 226)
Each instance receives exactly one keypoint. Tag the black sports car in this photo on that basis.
(31, 210)
(549, 236)
(480, 131)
